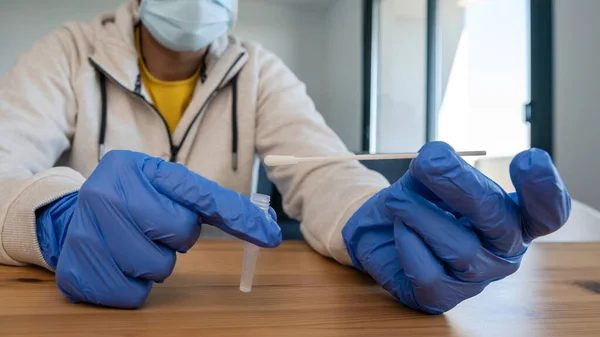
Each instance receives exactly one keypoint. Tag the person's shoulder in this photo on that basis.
(76, 38)
(257, 52)
(266, 63)
(78, 34)
(252, 47)
(66, 45)
(82, 39)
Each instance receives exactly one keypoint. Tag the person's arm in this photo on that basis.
(37, 117)
(322, 196)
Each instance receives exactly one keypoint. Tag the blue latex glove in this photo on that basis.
(120, 233)
(444, 231)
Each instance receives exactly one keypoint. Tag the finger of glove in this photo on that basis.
(376, 252)
(425, 273)
(119, 186)
(450, 241)
(220, 207)
(86, 272)
(163, 220)
(135, 253)
(435, 291)
(418, 187)
(543, 197)
(468, 191)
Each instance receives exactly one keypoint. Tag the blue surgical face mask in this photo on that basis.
(186, 25)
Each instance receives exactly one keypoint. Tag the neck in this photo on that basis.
(168, 65)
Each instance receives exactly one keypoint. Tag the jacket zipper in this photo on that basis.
(173, 148)
(212, 95)
(107, 75)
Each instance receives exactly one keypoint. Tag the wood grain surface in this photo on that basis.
(299, 293)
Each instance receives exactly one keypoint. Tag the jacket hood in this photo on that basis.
(114, 46)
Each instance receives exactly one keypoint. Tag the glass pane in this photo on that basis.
(401, 41)
(483, 75)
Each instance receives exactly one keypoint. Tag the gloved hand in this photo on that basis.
(120, 233)
(444, 231)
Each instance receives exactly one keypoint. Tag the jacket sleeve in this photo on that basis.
(37, 116)
(322, 196)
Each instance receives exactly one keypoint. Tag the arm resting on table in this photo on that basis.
(322, 196)
(37, 110)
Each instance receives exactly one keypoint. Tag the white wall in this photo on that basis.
(402, 75)
(576, 92)
(22, 22)
(344, 38)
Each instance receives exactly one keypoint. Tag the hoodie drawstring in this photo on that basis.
(234, 124)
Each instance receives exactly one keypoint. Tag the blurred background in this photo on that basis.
(390, 75)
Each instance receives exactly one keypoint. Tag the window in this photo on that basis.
(482, 75)
(474, 73)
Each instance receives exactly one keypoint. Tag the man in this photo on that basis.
(184, 108)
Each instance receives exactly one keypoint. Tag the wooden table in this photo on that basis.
(299, 293)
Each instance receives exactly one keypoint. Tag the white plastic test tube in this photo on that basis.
(250, 250)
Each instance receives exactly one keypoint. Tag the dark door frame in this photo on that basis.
(369, 29)
(540, 110)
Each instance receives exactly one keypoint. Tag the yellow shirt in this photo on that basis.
(170, 98)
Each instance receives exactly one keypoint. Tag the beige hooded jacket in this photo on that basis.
(50, 121)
